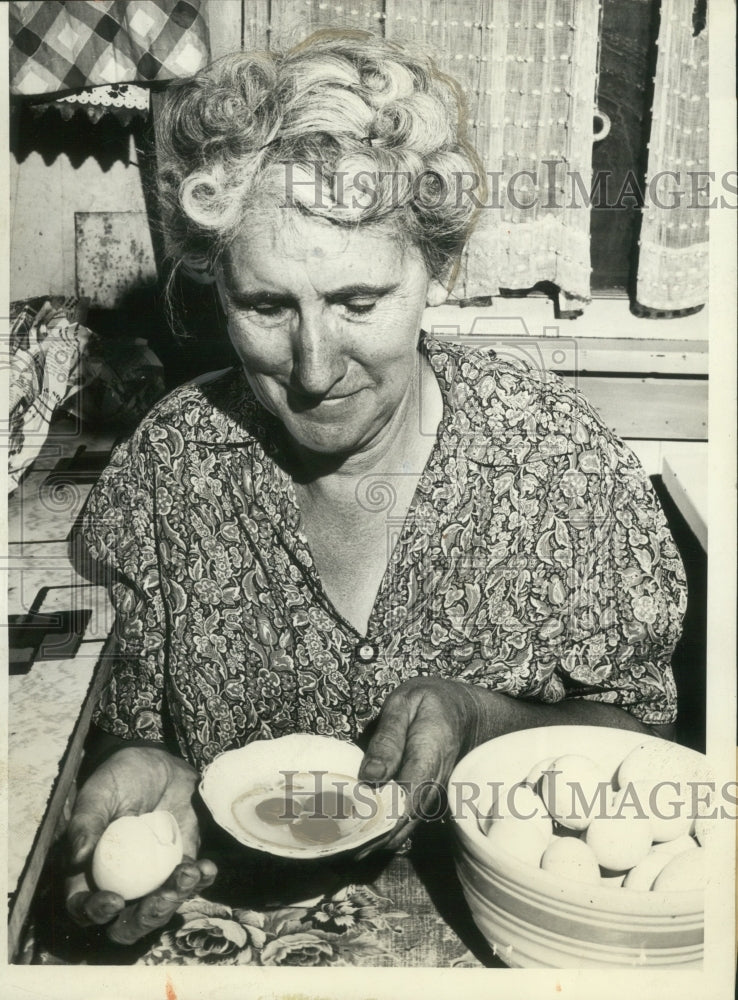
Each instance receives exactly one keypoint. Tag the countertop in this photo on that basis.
(46, 713)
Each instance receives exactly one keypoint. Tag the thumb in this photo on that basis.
(384, 753)
(190, 832)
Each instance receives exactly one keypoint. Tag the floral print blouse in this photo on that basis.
(534, 560)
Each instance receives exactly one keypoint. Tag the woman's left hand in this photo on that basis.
(425, 726)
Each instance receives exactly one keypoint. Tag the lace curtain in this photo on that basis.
(528, 71)
(673, 264)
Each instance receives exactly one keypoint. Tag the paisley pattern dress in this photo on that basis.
(534, 560)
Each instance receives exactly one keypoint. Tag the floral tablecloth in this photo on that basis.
(404, 910)
(354, 926)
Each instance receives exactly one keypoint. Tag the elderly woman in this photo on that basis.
(359, 524)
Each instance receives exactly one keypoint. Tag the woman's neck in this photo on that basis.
(350, 535)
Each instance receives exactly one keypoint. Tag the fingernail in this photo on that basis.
(188, 879)
(373, 769)
(108, 909)
(78, 847)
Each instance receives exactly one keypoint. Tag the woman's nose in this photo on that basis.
(318, 361)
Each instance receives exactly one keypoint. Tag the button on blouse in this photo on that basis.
(366, 652)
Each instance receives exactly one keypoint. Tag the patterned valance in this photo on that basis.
(65, 46)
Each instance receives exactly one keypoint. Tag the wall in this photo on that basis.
(43, 201)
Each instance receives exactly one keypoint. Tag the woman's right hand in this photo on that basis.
(131, 782)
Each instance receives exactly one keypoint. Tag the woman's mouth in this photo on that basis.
(303, 401)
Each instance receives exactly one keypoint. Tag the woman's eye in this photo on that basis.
(267, 313)
(267, 310)
(360, 308)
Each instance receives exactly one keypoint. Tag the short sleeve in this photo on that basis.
(117, 533)
(614, 580)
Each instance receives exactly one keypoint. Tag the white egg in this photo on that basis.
(574, 790)
(685, 872)
(571, 858)
(667, 810)
(533, 777)
(522, 839)
(674, 847)
(667, 805)
(643, 875)
(518, 802)
(704, 813)
(657, 760)
(704, 827)
(486, 806)
(136, 854)
(619, 843)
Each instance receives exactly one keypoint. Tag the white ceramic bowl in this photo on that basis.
(304, 764)
(536, 919)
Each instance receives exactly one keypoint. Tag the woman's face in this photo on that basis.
(326, 321)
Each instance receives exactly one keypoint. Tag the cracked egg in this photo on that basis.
(299, 796)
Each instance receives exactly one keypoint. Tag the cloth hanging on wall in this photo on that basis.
(528, 71)
(123, 101)
(66, 46)
(47, 345)
(673, 263)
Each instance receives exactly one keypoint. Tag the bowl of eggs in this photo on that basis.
(299, 796)
(583, 846)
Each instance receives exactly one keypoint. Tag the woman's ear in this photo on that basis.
(436, 294)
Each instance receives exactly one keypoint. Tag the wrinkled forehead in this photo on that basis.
(289, 232)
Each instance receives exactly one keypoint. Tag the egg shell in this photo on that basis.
(643, 875)
(304, 762)
(136, 854)
(574, 789)
(685, 872)
(571, 858)
(521, 803)
(522, 839)
(621, 843)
